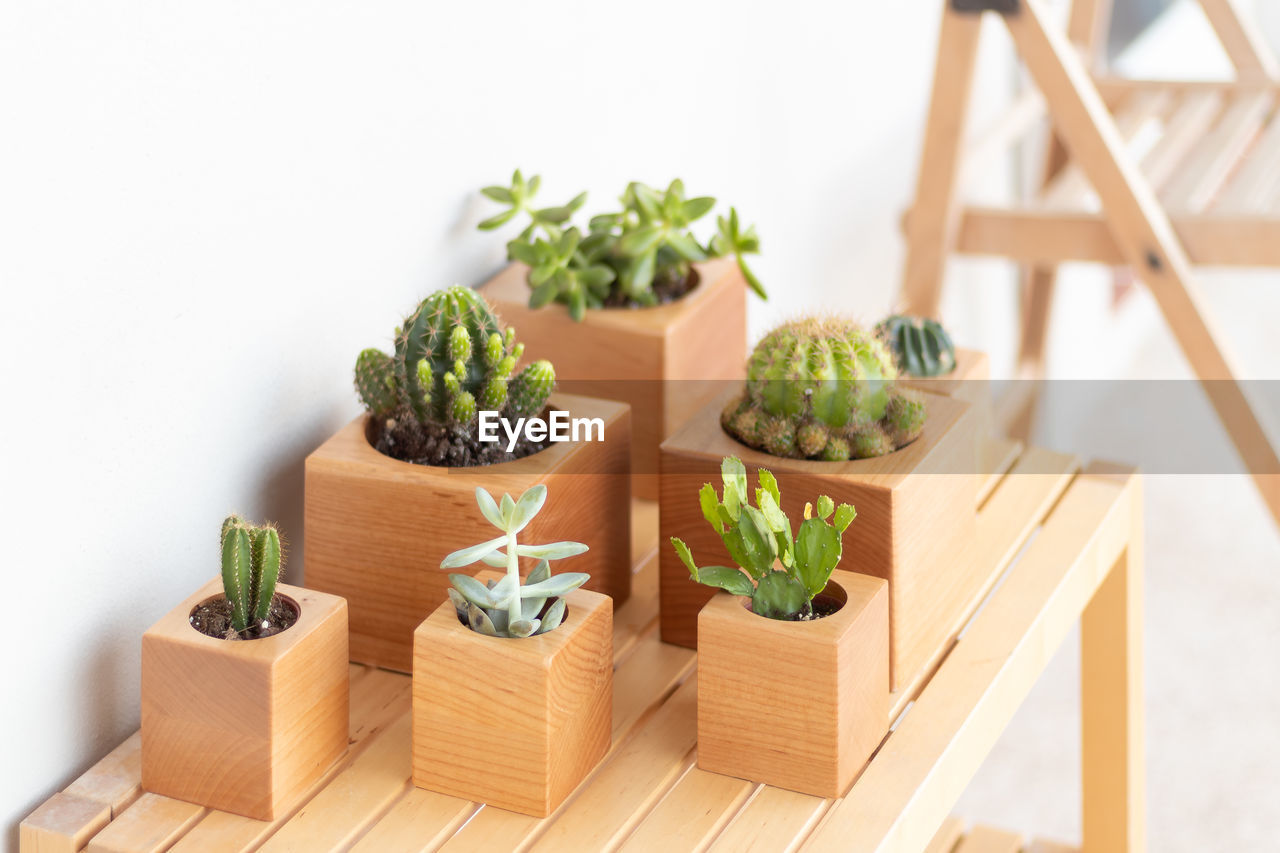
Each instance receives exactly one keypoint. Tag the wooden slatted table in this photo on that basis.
(1064, 546)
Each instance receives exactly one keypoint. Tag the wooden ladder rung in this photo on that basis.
(1188, 124)
(1254, 186)
(1216, 155)
(1140, 111)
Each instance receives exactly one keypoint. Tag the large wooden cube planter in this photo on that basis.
(915, 525)
(244, 726)
(514, 723)
(807, 713)
(377, 528)
(665, 362)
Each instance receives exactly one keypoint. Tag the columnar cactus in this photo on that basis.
(759, 540)
(920, 346)
(509, 608)
(251, 560)
(452, 358)
(823, 388)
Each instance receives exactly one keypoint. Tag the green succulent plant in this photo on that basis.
(823, 388)
(621, 255)
(251, 561)
(452, 358)
(920, 346)
(759, 540)
(509, 608)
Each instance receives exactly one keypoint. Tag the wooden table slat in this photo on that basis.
(648, 792)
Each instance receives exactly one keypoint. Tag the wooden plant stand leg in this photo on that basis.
(934, 220)
(1141, 228)
(1114, 801)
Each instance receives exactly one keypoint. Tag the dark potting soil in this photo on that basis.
(450, 447)
(667, 287)
(822, 606)
(213, 618)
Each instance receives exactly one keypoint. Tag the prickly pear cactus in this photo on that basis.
(251, 560)
(823, 388)
(452, 359)
(920, 346)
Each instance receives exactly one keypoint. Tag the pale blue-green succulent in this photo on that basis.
(509, 608)
(759, 540)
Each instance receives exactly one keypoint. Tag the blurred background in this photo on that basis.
(208, 209)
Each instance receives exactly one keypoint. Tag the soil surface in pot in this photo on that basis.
(668, 286)
(405, 439)
(823, 605)
(213, 618)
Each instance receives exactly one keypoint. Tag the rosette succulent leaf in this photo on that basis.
(621, 257)
(510, 607)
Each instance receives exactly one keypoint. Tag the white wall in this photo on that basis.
(208, 209)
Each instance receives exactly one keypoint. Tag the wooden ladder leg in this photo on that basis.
(1086, 29)
(1242, 41)
(1113, 776)
(1142, 230)
(934, 219)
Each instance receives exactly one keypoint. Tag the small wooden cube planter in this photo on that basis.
(916, 521)
(244, 726)
(807, 713)
(664, 361)
(514, 723)
(377, 528)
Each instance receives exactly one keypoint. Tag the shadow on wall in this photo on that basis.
(280, 491)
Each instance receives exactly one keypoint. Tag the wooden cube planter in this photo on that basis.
(514, 723)
(244, 726)
(915, 525)
(377, 528)
(665, 362)
(806, 714)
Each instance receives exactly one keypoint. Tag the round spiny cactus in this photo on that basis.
(452, 359)
(823, 388)
(920, 346)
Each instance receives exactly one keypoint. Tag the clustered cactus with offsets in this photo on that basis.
(452, 359)
(920, 346)
(638, 256)
(251, 562)
(759, 540)
(509, 608)
(823, 388)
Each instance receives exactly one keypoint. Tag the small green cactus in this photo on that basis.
(509, 608)
(759, 540)
(452, 359)
(623, 255)
(920, 346)
(251, 561)
(823, 388)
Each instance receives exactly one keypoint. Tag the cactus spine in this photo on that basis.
(251, 560)
(823, 388)
(452, 359)
(920, 346)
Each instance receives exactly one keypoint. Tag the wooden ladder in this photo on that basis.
(1207, 191)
